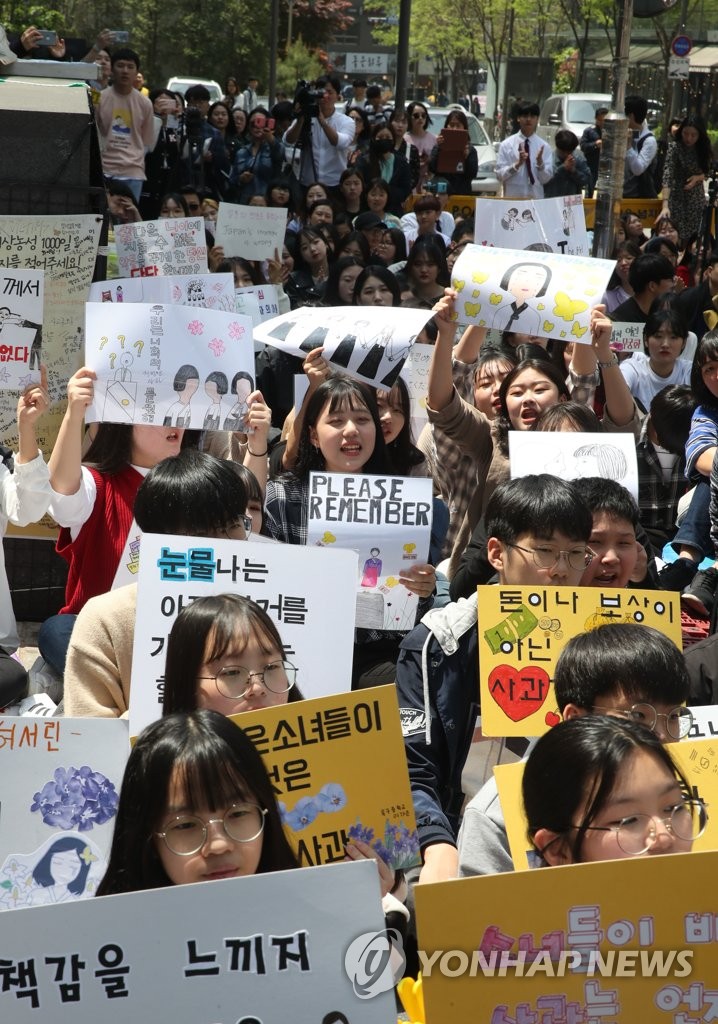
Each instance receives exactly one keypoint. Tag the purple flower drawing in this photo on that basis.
(76, 798)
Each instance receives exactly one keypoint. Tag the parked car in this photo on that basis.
(183, 84)
(572, 110)
(485, 183)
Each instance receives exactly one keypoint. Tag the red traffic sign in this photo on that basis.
(681, 46)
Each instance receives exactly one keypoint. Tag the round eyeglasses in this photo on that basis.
(236, 681)
(547, 557)
(243, 523)
(637, 834)
(186, 834)
(679, 721)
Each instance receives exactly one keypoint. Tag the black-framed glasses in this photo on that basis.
(679, 721)
(185, 834)
(637, 834)
(236, 681)
(547, 557)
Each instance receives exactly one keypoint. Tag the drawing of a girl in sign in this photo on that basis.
(185, 384)
(523, 282)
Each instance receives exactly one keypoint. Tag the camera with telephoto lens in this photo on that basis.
(308, 99)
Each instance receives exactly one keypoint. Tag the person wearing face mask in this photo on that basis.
(388, 164)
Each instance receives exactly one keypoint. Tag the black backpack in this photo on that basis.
(643, 186)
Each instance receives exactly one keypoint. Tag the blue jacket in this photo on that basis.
(438, 685)
(265, 166)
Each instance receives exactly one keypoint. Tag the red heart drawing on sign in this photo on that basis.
(519, 692)
(552, 719)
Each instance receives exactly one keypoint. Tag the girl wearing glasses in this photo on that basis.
(225, 653)
(602, 788)
(196, 805)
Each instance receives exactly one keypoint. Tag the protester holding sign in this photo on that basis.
(93, 505)
(192, 494)
(24, 498)
(601, 788)
(196, 804)
(225, 653)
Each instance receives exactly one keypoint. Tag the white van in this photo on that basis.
(183, 84)
(572, 110)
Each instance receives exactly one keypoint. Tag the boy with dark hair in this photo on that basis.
(125, 120)
(622, 669)
(571, 175)
(591, 143)
(650, 276)
(641, 153)
(524, 163)
(436, 671)
(618, 555)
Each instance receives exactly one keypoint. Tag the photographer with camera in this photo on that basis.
(323, 133)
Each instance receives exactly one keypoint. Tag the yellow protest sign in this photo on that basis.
(522, 631)
(338, 769)
(697, 759)
(618, 942)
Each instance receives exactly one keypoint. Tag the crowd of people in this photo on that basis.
(196, 802)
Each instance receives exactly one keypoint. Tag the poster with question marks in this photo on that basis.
(156, 248)
(542, 294)
(387, 521)
(172, 366)
(535, 225)
(522, 631)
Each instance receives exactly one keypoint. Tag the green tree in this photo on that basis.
(299, 63)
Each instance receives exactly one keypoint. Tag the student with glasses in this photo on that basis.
(602, 788)
(622, 669)
(196, 804)
(225, 653)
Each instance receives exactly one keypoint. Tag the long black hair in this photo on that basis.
(215, 763)
(339, 392)
(543, 366)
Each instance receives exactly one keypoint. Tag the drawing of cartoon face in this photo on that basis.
(210, 389)
(243, 389)
(526, 282)
(65, 866)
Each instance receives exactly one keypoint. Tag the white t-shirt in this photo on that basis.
(644, 384)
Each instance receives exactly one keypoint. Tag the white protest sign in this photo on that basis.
(259, 303)
(59, 784)
(387, 521)
(65, 248)
(235, 951)
(209, 291)
(156, 248)
(572, 456)
(254, 232)
(539, 225)
(370, 343)
(416, 377)
(176, 366)
(626, 337)
(537, 293)
(21, 318)
(705, 722)
(308, 594)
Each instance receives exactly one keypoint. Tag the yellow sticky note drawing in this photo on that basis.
(577, 330)
(458, 285)
(472, 308)
(548, 326)
(328, 538)
(479, 276)
(495, 299)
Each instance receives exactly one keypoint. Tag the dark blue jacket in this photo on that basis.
(438, 685)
